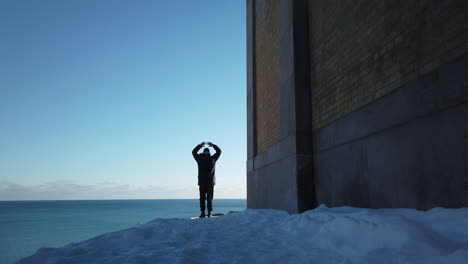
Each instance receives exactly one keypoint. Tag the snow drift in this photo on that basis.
(323, 235)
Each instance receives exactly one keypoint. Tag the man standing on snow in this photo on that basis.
(206, 175)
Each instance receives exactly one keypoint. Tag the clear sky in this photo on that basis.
(107, 98)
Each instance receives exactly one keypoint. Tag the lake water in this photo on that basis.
(26, 226)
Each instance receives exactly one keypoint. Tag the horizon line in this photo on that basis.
(138, 199)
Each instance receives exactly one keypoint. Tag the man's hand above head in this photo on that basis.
(210, 144)
(203, 143)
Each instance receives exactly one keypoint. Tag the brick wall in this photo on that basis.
(362, 50)
(267, 75)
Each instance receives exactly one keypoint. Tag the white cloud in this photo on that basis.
(74, 190)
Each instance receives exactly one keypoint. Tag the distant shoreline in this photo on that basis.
(118, 199)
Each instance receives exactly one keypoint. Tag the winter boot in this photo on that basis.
(202, 215)
(209, 213)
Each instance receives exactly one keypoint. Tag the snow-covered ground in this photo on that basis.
(323, 235)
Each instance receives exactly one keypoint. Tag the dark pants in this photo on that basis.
(206, 193)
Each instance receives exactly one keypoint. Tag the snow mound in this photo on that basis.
(323, 235)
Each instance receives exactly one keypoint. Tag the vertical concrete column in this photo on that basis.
(296, 114)
(251, 117)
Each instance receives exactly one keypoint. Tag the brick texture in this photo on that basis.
(362, 50)
(267, 75)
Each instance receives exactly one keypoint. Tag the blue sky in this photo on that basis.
(107, 98)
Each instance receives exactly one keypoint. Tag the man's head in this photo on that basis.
(206, 151)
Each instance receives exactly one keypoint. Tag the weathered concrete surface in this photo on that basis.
(407, 149)
(271, 186)
(373, 108)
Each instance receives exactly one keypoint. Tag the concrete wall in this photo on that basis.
(373, 105)
(407, 149)
(389, 93)
(280, 176)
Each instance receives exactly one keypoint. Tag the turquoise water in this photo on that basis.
(26, 226)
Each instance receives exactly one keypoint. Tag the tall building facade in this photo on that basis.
(358, 103)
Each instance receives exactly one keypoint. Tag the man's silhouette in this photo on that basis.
(206, 175)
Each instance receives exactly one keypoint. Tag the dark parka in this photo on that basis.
(206, 165)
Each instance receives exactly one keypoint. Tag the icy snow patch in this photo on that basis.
(323, 235)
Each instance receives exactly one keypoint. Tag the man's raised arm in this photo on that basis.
(196, 149)
(218, 150)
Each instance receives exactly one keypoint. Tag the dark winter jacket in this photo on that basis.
(206, 165)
